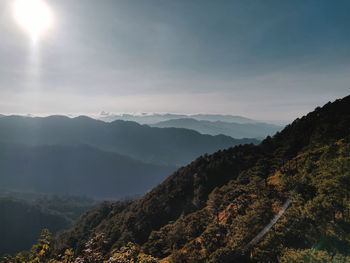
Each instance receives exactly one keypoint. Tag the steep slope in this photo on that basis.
(76, 170)
(235, 130)
(246, 221)
(210, 210)
(153, 145)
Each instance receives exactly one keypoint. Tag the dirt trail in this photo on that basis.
(280, 213)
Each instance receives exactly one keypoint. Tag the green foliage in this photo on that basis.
(130, 254)
(41, 253)
(311, 256)
(176, 196)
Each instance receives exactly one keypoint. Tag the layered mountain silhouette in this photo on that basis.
(233, 129)
(144, 118)
(212, 209)
(152, 145)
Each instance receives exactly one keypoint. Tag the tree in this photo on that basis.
(130, 254)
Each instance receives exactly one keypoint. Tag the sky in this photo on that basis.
(269, 60)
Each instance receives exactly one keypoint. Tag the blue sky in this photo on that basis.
(269, 60)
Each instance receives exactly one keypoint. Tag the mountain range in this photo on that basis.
(285, 200)
(146, 118)
(83, 156)
(168, 146)
(233, 129)
(213, 124)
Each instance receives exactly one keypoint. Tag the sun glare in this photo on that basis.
(34, 16)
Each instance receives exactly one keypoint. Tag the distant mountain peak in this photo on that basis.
(152, 118)
(233, 129)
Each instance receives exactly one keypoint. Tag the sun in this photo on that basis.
(34, 16)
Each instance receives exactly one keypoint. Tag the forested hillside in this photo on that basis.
(214, 209)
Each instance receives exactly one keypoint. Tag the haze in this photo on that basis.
(267, 60)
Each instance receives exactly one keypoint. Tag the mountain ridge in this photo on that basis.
(232, 129)
(157, 117)
(152, 145)
(179, 220)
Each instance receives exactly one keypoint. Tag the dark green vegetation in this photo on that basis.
(22, 221)
(235, 130)
(76, 170)
(42, 252)
(152, 145)
(210, 210)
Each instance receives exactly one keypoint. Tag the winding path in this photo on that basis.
(273, 221)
